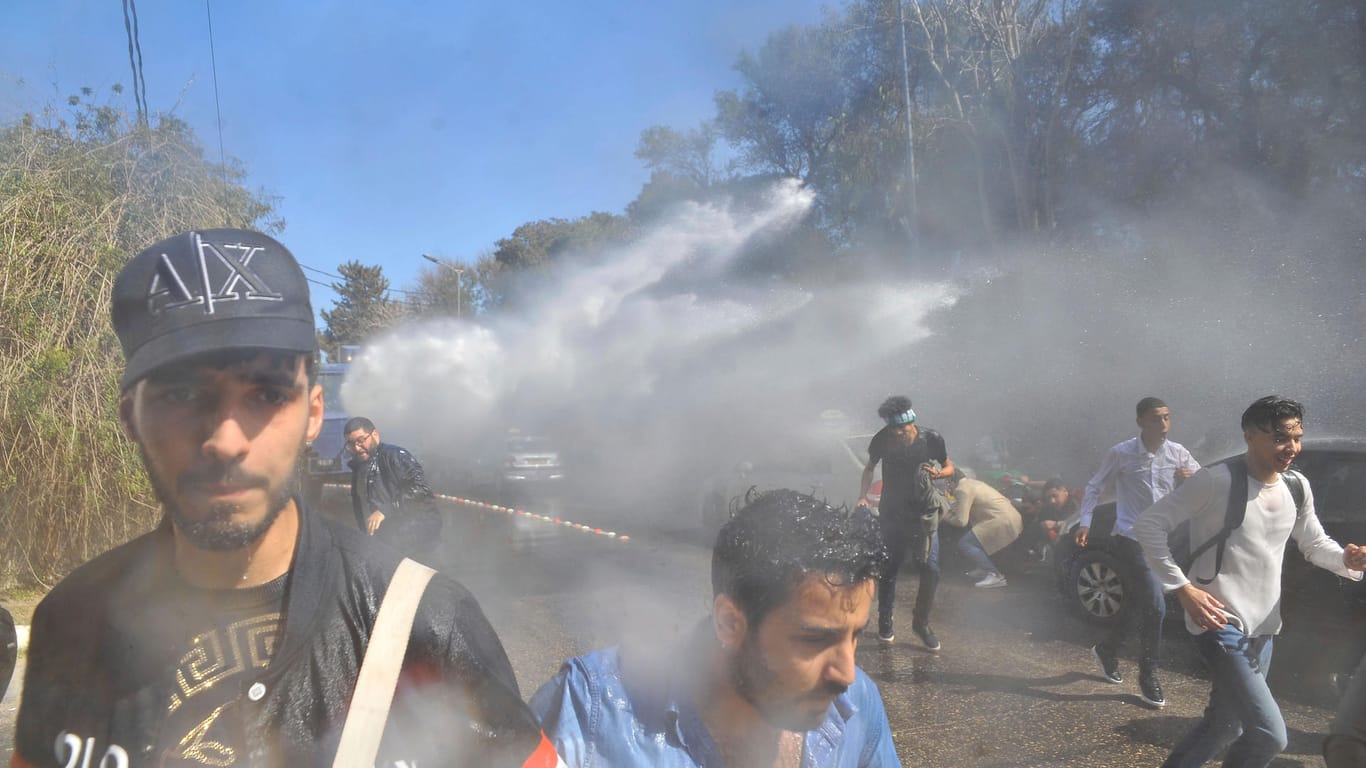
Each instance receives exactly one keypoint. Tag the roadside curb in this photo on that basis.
(543, 518)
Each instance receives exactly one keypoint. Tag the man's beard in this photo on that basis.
(756, 682)
(217, 532)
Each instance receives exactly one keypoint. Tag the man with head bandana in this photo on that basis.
(911, 455)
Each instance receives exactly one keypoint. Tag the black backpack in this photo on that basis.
(1237, 508)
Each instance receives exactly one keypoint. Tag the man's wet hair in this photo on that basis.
(893, 406)
(1267, 413)
(1053, 483)
(358, 422)
(1148, 404)
(778, 537)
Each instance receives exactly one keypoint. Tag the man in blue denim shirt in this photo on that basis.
(769, 680)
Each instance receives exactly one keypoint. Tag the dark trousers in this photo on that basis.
(903, 535)
(1345, 746)
(1146, 608)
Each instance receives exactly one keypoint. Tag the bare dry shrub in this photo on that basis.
(80, 193)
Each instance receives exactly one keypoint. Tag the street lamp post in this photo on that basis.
(459, 271)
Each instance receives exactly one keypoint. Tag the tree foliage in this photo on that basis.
(476, 286)
(539, 243)
(1027, 116)
(930, 128)
(363, 307)
(82, 189)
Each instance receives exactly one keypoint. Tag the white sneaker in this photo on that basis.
(991, 581)
(976, 573)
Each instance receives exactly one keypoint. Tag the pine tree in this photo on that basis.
(363, 309)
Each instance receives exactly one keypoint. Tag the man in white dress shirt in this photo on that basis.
(1141, 470)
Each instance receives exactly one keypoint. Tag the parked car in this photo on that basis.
(1324, 614)
(532, 464)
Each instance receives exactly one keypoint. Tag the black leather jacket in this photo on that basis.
(392, 481)
(100, 675)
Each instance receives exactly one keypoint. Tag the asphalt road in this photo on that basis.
(1014, 685)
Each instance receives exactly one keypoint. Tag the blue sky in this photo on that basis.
(395, 129)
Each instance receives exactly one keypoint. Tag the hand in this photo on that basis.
(372, 522)
(1184, 472)
(863, 502)
(1204, 608)
(1354, 557)
(1080, 537)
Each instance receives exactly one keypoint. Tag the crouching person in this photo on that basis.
(234, 634)
(768, 680)
(992, 523)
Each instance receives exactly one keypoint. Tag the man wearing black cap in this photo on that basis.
(234, 633)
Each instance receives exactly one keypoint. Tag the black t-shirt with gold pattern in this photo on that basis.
(229, 632)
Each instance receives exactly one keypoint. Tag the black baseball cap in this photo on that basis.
(206, 291)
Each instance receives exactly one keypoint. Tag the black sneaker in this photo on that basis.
(1150, 690)
(1109, 664)
(884, 630)
(926, 636)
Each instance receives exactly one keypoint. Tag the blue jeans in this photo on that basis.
(972, 549)
(1241, 714)
(1147, 610)
(902, 535)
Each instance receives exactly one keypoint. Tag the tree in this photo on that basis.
(363, 307)
(684, 154)
(478, 286)
(1277, 91)
(539, 243)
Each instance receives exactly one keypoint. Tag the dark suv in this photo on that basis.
(1323, 613)
(326, 458)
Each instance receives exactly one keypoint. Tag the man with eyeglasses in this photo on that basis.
(389, 492)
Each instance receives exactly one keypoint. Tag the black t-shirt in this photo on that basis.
(901, 459)
(232, 633)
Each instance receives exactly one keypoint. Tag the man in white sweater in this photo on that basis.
(1235, 611)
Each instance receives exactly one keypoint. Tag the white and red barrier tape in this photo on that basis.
(544, 518)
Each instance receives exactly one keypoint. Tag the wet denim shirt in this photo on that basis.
(597, 719)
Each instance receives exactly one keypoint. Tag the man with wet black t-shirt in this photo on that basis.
(910, 457)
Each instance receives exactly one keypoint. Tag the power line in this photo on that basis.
(218, 109)
(130, 22)
(137, 43)
(329, 285)
(319, 271)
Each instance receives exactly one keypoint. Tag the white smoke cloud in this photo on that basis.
(630, 370)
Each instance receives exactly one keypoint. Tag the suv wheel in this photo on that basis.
(1095, 586)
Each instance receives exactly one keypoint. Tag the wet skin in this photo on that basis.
(221, 444)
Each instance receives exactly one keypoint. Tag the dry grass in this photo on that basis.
(78, 197)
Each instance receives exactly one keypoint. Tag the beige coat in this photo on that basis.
(992, 517)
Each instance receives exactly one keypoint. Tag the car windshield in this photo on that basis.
(530, 445)
(331, 384)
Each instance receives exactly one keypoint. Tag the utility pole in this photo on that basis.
(910, 123)
(459, 272)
